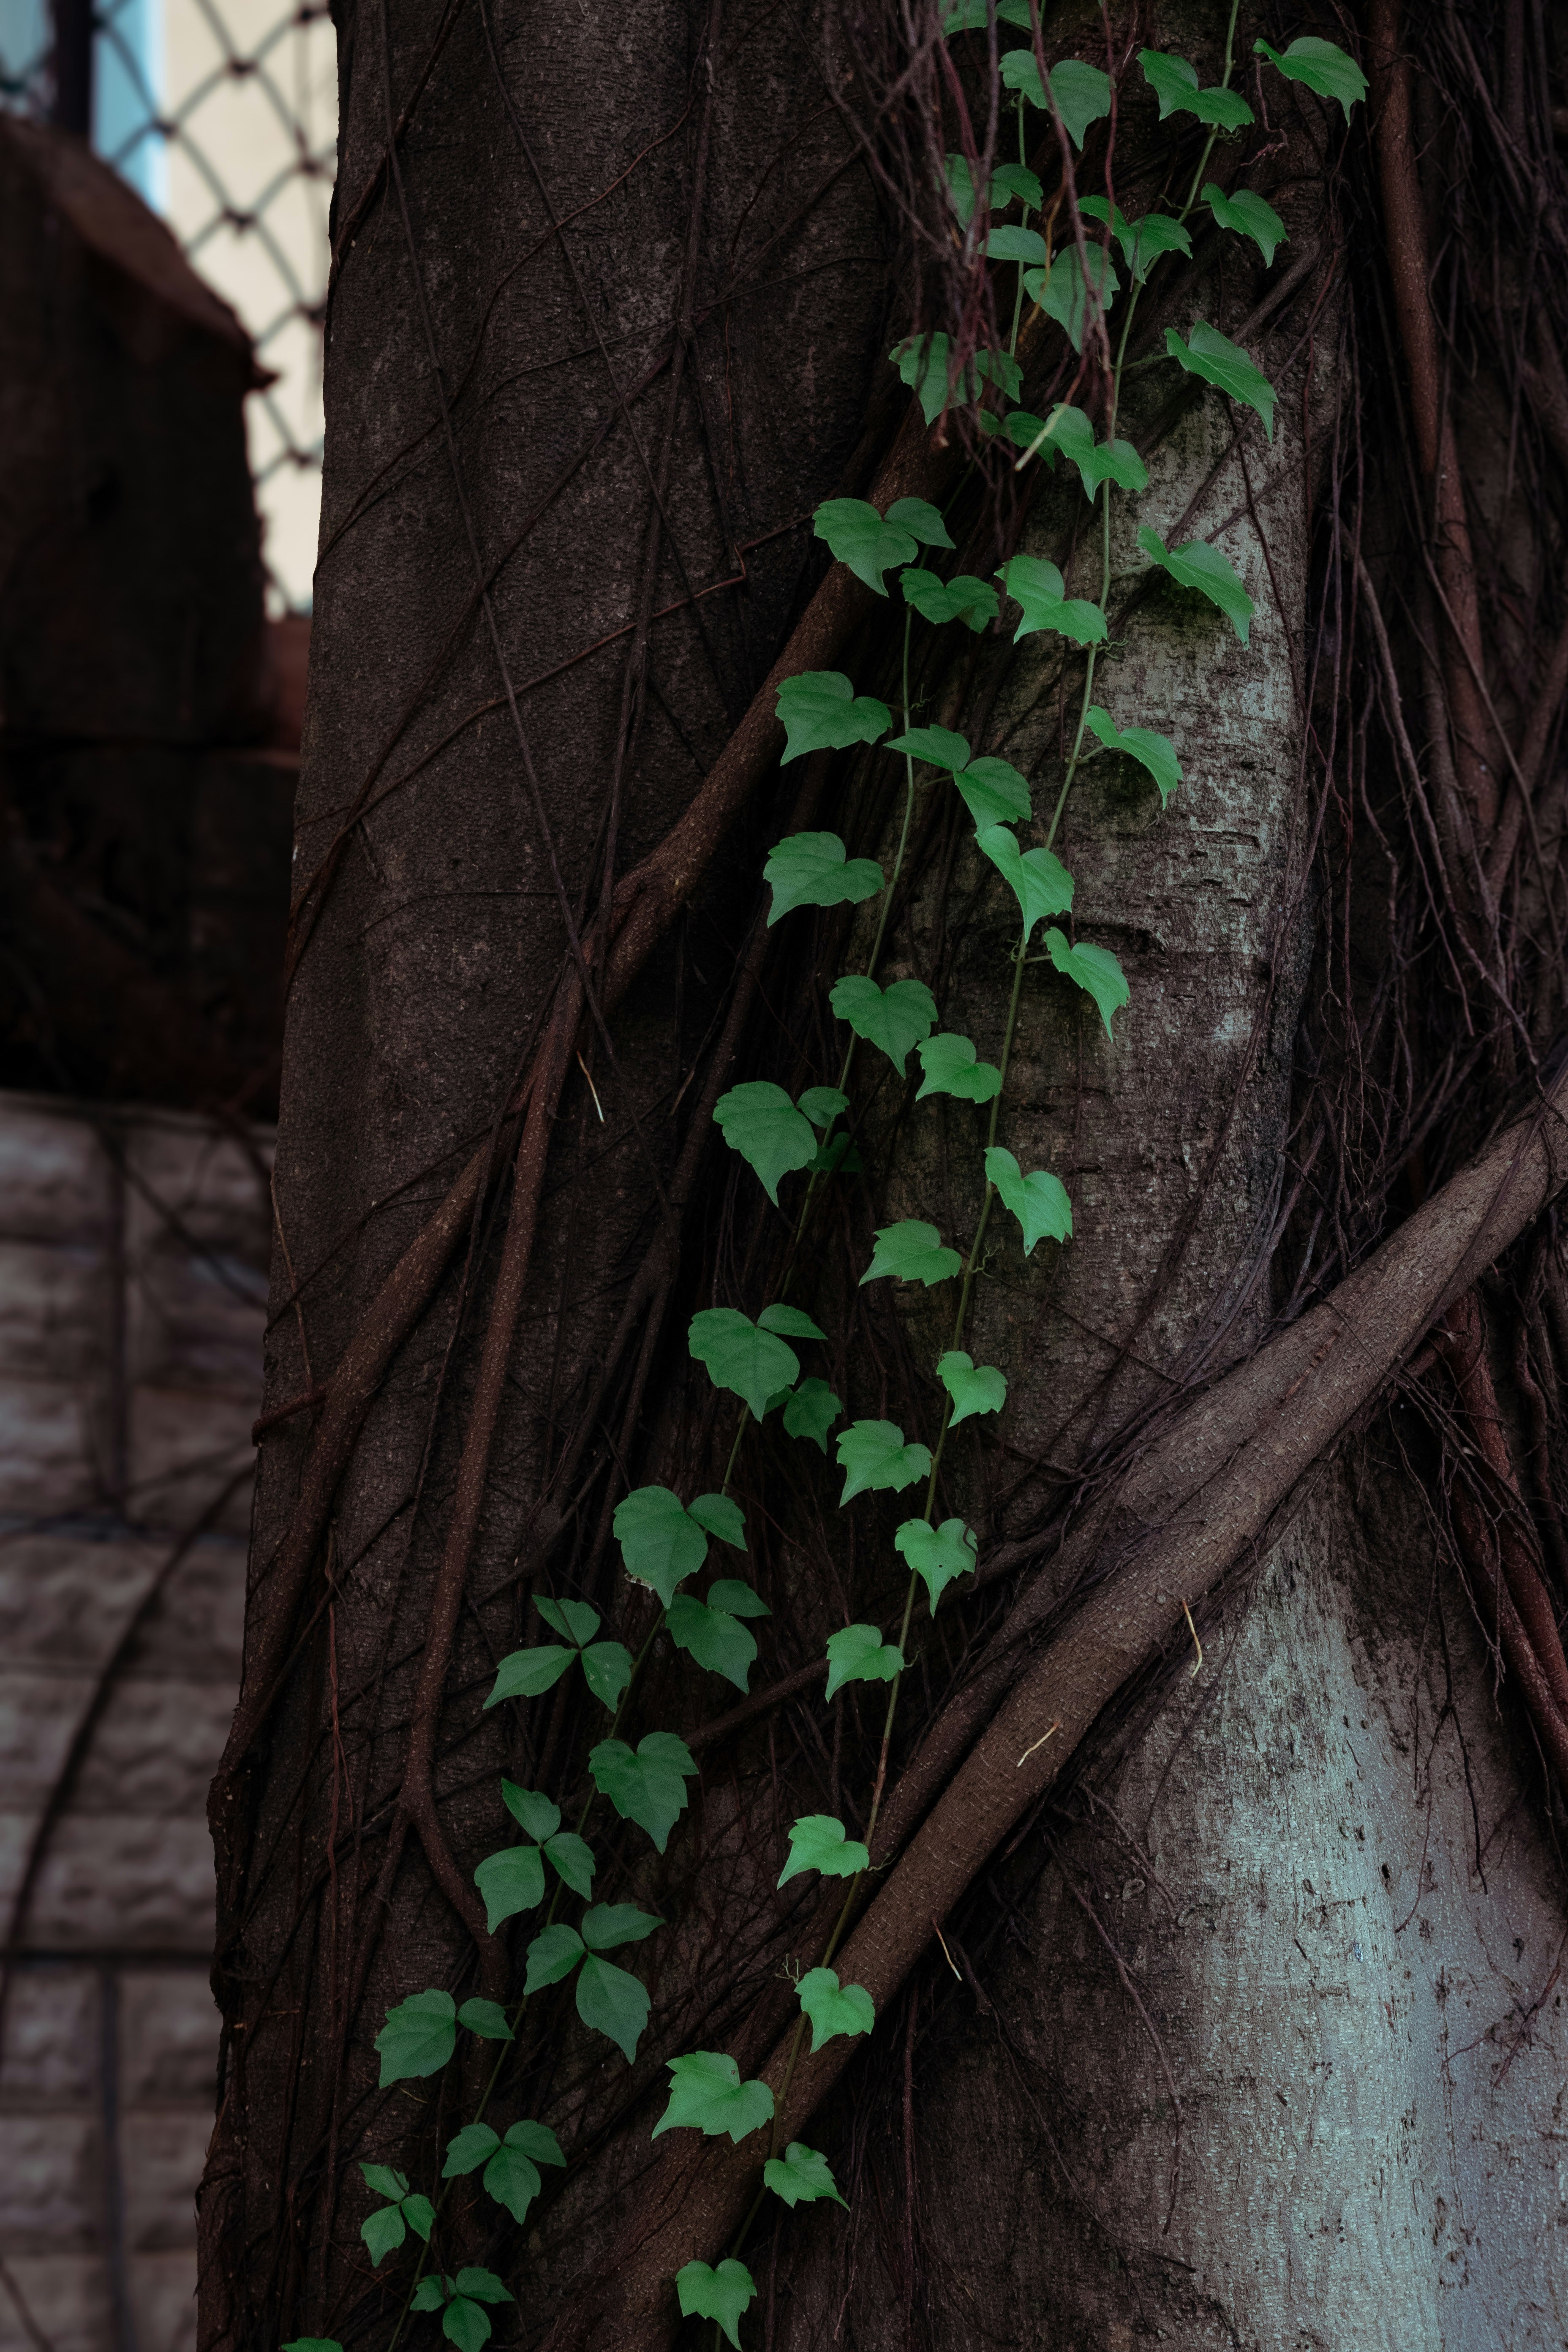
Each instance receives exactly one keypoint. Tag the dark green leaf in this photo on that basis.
(429, 2294)
(608, 1925)
(750, 1362)
(937, 1555)
(536, 2140)
(974, 1387)
(420, 2216)
(526, 1672)
(715, 1639)
(1322, 68)
(485, 2017)
(923, 364)
(647, 1788)
(738, 1599)
(1036, 585)
(1248, 212)
(1082, 92)
(386, 2181)
(613, 2003)
(572, 1858)
(513, 2180)
(817, 1841)
(1079, 289)
(1141, 241)
(1039, 1202)
(811, 869)
(1209, 354)
(951, 1068)
(419, 2036)
(660, 1543)
(607, 1669)
(1155, 752)
(531, 1811)
(834, 2009)
(895, 1018)
(572, 1618)
(1095, 969)
(913, 1252)
(382, 2232)
(720, 2294)
(964, 598)
(721, 1514)
(1037, 877)
(858, 1653)
(551, 1956)
(511, 1881)
(1176, 84)
(1010, 243)
(707, 2094)
(1199, 565)
(994, 792)
(938, 746)
(921, 520)
(1008, 181)
(812, 1412)
(483, 2286)
(820, 711)
(822, 1105)
(472, 2146)
(465, 2323)
(859, 538)
(786, 1323)
(1109, 461)
(801, 2175)
(970, 15)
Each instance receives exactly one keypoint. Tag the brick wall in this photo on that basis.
(132, 1282)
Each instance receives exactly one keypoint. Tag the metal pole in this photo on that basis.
(73, 66)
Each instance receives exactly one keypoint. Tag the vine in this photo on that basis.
(666, 1543)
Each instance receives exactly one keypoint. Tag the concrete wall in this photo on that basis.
(132, 1284)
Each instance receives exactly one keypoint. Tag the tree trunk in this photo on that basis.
(1241, 2029)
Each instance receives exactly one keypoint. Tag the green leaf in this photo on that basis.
(812, 1412)
(485, 2017)
(858, 1653)
(1011, 243)
(511, 1881)
(386, 2181)
(786, 1323)
(1065, 295)
(429, 2294)
(1249, 213)
(875, 1460)
(1176, 84)
(1155, 752)
(921, 520)
(536, 2140)
(464, 2323)
(613, 2003)
(419, 2036)
(721, 1514)
(938, 746)
(834, 2009)
(720, 2294)
(1094, 968)
(822, 1105)
(964, 598)
(1199, 565)
(715, 1639)
(994, 792)
(913, 1251)
(895, 1018)
(859, 538)
(529, 1809)
(937, 1555)
(553, 1954)
(484, 2285)
(572, 1618)
(811, 869)
(1322, 67)
(572, 1858)
(708, 2096)
(607, 1670)
(820, 712)
(951, 1068)
(818, 1842)
(1141, 241)
(737, 1598)
(647, 1788)
(314, 2344)
(1082, 92)
(1037, 586)
(1039, 1202)
(1008, 181)
(608, 1925)
(513, 2179)
(1037, 877)
(661, 1543)
(923, 364)
(472, 2146)
(1225, 364)
(974, 1387)
(750, 1363)
(801, 2175)
(382, 2232)
(1109, 461)
(970, 15)
(526, 1672)
(420, 2216)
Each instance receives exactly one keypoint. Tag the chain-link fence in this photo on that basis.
(223, 115)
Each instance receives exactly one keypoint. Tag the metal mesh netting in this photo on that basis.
(223, 114)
